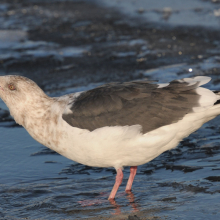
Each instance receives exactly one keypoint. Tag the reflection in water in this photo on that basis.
(97, 201)
(117, 208)
(131, 199)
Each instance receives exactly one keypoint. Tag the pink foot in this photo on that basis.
(118, 181)
(133, 171)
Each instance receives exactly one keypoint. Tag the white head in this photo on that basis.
(20, 94)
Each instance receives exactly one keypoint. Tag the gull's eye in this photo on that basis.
(11, 87)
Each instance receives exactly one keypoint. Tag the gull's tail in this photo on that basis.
(218, 97)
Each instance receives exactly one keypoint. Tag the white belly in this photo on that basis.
(127, 146)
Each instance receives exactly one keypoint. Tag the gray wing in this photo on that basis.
(132, 103)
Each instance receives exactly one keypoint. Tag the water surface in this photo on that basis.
(71, 46)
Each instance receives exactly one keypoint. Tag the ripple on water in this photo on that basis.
(177, 180)
(37, 183)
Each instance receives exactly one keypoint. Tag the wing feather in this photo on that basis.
(132, 103)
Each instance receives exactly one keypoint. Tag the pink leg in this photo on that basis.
(118, 181)
(133, 171)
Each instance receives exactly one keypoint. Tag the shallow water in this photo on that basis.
(37, 183)
(70, 46)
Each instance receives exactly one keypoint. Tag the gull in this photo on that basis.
(114, 125)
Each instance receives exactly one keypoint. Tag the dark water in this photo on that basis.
(39, 184)
(69, 46)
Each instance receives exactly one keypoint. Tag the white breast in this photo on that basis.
(127, 146)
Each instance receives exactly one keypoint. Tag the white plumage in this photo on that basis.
(108, 146)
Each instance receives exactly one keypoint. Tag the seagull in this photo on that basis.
(114, 125)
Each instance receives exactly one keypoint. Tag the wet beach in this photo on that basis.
(71, 46)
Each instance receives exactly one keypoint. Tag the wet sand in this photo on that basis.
(70, 46)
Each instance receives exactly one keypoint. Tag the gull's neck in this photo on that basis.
(42, 121)
(36, 109)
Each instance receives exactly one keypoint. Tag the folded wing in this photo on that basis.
(141, 102)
